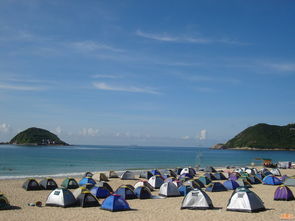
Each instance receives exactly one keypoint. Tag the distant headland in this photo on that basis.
(262, 137)
(36, 136)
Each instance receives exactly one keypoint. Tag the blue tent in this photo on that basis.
(143, 192)
(210, 176)
(87, 180)
(219, 176)
(115, 203)
(156, 172)
(184, 189)
(216, 187)
(271, 180)
(185, 176)
(126, 193)
(205, 180)
(259, 176)
(254, 180)
(230, 184)
(100, 192)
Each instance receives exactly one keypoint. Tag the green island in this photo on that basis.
(36, 136)
(262, 137)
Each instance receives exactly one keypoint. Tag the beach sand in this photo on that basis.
(151, 209)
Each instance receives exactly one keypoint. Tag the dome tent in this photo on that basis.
(271, 180)
(105, 185)
(126, 193)
(144, 183)
(4, 203)
(115, 203)
(169, 190)
(61, 197)
(128, 175)
(230, 184)
(86, 199)
(205, 180)
(215, 187)
(113, 174)
(197, 199)
(156, 181)
(184, 189)
(244, 200)
(100, 192)
(48, 184)
(31, 184)
(143, 192)
(87, 180)
(283, 193)
(145, 174)
(70, 183)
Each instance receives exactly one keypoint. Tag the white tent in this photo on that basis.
(156, 181)
(188, 170)
(276, 172)
(168, 189)
(244, 200)
(61, 197)
(128, 175)
(144, 183)
(113, 174)
(197, 199)
(250, 171)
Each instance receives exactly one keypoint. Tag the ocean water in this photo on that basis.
(26, 161)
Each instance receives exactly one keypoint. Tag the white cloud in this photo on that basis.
(93, 46)
(5, 128)
(132, 89)
(202, 134)
(89, 132)
(282, 66)
(186, 39)
(19, 87)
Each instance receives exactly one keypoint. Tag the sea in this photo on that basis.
(54, 161)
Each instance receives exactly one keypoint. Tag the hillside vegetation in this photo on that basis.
(36, 136)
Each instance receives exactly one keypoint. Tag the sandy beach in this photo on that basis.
(151, 209)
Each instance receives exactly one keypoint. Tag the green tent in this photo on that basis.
(70, 183)
(4, 204)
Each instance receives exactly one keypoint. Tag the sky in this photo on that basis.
(150, 72)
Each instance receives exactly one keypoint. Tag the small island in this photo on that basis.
(36, 136)
(262, 137)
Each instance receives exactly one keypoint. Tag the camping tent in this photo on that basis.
(78, 191)
(103, 177)
(142, 192)
(271, 180)
(145, 174)
(144, 183)
(86, 199)
(128, 175)
(105, 185)
(31, 184)
(199, 183)
(254, 180)
(87, 180)
(197, 199)
(219, 176)
(156, 181)
(115, 203)
(4, 204)
(61, 197)
(126, 193)
(188, 170)
(204, 180)
(210, 176)
(193, 184)
(88, 174)
(178, 170)
(168, 190)
(113, 174)
(283, 193)
(243, 183)
(156, 172)
(230, 184)
(234, 176)
(276, 172)
(128, 185)
(215, 187)
(70, 183)
(210, 169)
(100, 192)
(244, 200)
(265, 172)
(48, 184)
(170, 173)
(184, 189)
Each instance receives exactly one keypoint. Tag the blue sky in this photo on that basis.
(180, 73)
